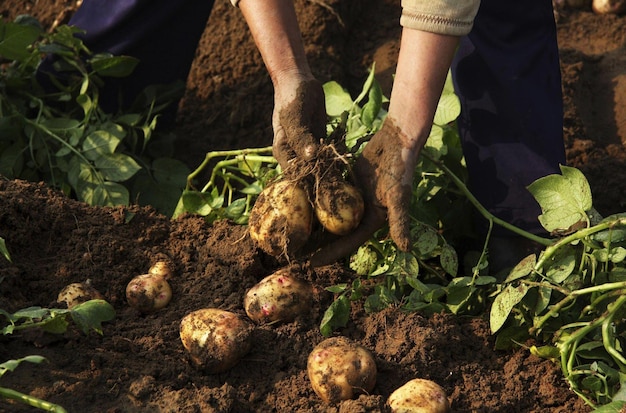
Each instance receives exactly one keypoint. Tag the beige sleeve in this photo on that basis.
(234, 2)
(451, 17)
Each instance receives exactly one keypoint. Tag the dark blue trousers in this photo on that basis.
(162, 34)
(508, 78)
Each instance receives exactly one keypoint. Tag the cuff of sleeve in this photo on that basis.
(234, 3)
(443, 17)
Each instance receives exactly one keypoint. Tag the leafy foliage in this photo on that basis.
(53, 129)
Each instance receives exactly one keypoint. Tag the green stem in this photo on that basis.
(483, 211)
(578, 235)
(31, 400)
(240, 154)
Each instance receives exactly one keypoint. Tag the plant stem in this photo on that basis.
(31, 400)
(483, 211)
(239, 154)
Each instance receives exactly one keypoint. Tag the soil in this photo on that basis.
(139, 364)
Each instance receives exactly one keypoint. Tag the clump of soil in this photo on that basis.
(139, 363)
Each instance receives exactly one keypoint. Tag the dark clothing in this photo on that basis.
(508, 78)
(162, 34)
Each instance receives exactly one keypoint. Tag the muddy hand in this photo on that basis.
(384, 172)
(299, 122)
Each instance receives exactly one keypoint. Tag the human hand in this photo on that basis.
(384, 173)
(299, 120)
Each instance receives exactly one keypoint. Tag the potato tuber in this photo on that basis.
(215, 339)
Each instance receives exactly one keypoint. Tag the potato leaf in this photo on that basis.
(504, 303)
(338, 100)
(564, 199)
(4, 250)
(15, 39)
(337, 315)
(91, 314)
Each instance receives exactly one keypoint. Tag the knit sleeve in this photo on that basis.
(451, 17)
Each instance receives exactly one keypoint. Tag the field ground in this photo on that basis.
(139, 363)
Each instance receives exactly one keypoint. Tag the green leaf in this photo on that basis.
(16, 38)
(56, 325)
(337, 315)
(4, 250)
(504, 303)
(522, 269)
(91, 314)
(113, 66)
(11, 365)
(338, 100)
(448, 109)
(564, 199)
(103, 193)
(449, 260)
(117, 167)
(613, 407)
(99, 143)
(168, 171)
(373, 105)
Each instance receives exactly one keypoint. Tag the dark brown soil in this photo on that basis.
(139, 363)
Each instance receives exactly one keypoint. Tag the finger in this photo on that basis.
(398, 206)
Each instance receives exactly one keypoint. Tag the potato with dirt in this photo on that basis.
(78, 293)
(281, 218)
(215, 339)
(281, 296)
(339, 206)
(419, 396)
(148, 292)
(339, 369)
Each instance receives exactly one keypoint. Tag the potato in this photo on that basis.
(215, 339)
(148, 292)
(419, 396)
(281, 218)
(163, 268)
(340, 369)
(339, 206)
(78, 293)
(280, 296)
(608, 6)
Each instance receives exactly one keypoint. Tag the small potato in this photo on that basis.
(78, 293)
(340, 369)
(419, 396)
(339, 206)
(608, 6)
(148, 293)
(163, 268)
(280, 296)
(281, 218)
(215, 339)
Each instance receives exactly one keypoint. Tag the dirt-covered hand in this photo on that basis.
(384, 173)
(299, 122)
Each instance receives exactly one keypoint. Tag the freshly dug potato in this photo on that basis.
(280, 296)
(338, 206)
(340, 369)
(148, 292)
(78, 293)
(608, 6)
(215, 339)
(281, 218)
(419, 396)
(162, 268)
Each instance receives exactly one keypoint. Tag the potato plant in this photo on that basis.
(59, 134)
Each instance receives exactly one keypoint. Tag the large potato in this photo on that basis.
(419, 396)
(281, 218)
(340, 369)
(280, 296)
(215, 339)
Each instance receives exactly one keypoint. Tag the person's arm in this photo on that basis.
(385, 168)
(299, 118)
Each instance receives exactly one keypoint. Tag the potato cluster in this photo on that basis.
(281, 220)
